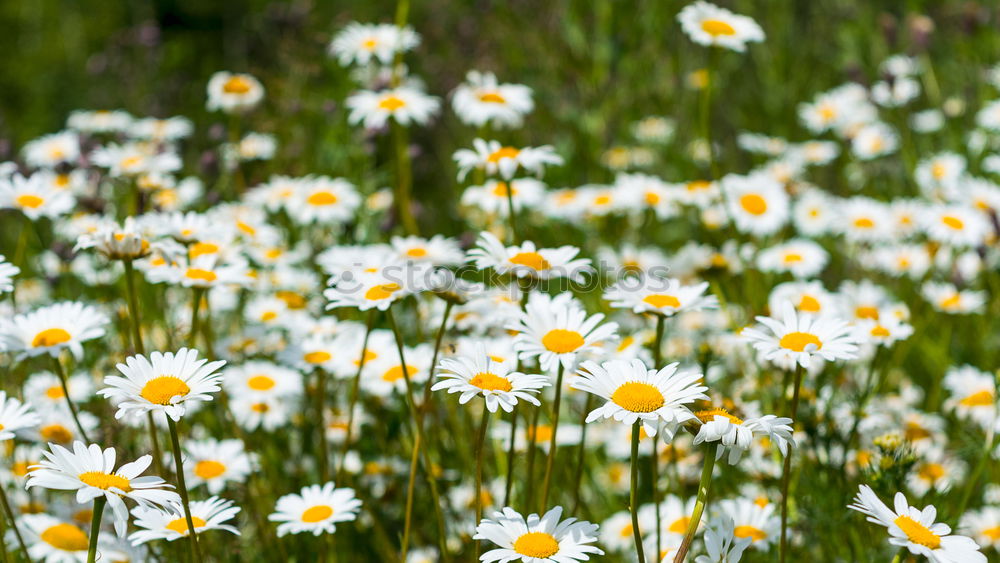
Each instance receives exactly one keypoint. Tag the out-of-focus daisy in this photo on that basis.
(233, 93)
(983, 525)
(736, 434)
(164, 382)
(34, 197)
(557, 333)
(135, 159)
(171, 524)
(956, 225)
(52, 540)
(52, 329)
(496, 159)
(491, 197)
(215, 463)
(534, 539)
(801, 339)
(51, 150)
(323, 200)
(916, 530)
(659, 296)
(972, 394)
(253, 412)
(710, 25)
(936, 471)
(405, 105)
(362, 43)
(7, 273)
(635, 393)
(262, 378)
(481, 99)
(883, 331)
(947, 298)
(316, 509)
(757, 204)
(874, 140)
(90, 471)
(808, 297)
(437, 250)
(99, 121)
(366, 290)
(478, 374)
(751, 520)
(721, 542)
(118, 243)
(14, 416)
(802, 258)
(163, 130)
(527, 260)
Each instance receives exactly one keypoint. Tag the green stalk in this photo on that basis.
(633, 497)
(72, 407)
(323, 454)
(195, 308)
(481, 439)
(355, 386)
(550, 463)
(704, 486)
(137, 344)
(510, 458)
(786, 474)
(13, 523)
(95, 528)
(657, 358)
(182, 489)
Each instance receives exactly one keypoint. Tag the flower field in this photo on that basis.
(503, 282)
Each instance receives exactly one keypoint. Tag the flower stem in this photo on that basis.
(531, 434)
(657, 358)
(510, 458)
(786, 474)
(581, 451)
(404, 180)
(95, 528)
(140, 348)
(633, 496)
(550, 464)
(195, 308)
(69, 401)
(511, 215)
(702, 501)
(323, 455)
(13, 523)
(354, 395)
(182, 489)
(480, 440)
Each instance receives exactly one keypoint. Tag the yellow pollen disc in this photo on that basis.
(260, 407)
(978, 399)
(698, 185)
(626, 531)
(540, 434)
(490, 382)
(562, 341)
(866, 312)
(918, 533)
(809, 304)
(753, 204)
(792, 258)
(864, 223)
(537, 544)
(369, 356)
(292, 300)
(533, 260)
(207, 469)
(322, 198)
(954, 301)
(492, 97)
(273, 253)
(369, 44)
(260, 383)
(201, 275)
(105, 481)
(749, 532)
(931, 471)
(503, 152)
(625, 343)
(761, 501)
(416, 252)
(30, 201)
(180, 525)
(953, 222)
(202, 248)
(268, 316)
(992, 533)
(395, 373)
(880, 331)
(798, 341)
(660, 301)
(938, 170)
(652, 198)
(247, 229)
(66, 537)
(317, 513)
(317, 357)
(236, 85)
(500, 190)
(391, 103)
(638, 397)
(56, 433)
(50, 337)
(710, 414)
(383, 291)
(160, 390)
(680, 525)
(602, 200)
(914, 432)
(716, 28)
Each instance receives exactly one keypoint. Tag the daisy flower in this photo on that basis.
(808, 297)
(34, 197)
(363, 44)
(7, 273)
(51, 150)
(709, 25)
(171, 524)
(936, 472)
(262, 378)
(659, 296)
(874, 140)
(162, 130)
(956, 225)
(983, 525)
(90, 471)
(366, 290)
(134, 160)
(267, 412)
(233, 93)
(721, 542)
(527, 260)
(972, 394)
(497, 159)
(322, 199)
(52, 540)
(216, 463)
(481, 100)
(558, 332)
(52, 329)
(316, 509)
(947, 298)
(802, 258)
(478, 374)
(164, 382)
(751, 520)
(119, 242)
(801, 339)
(757, 204)
(536, 539)
(736, 434)
(491, 197)
(405, 105)
(99, 121)
(916, 530)
(14, 415)
(437, 250)
(635, 393)
(204, 271)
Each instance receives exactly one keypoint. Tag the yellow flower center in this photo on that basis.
(317, 513)
(260, 408)
(490, 382)
(918, 533)
(931, 471)
(938, 170)
(50, 337)
(56, 433)
(160, 390)
(501, 153)
(181, 527)
(207, 469)
(65, 537)
(268, 316)
(317, 357)
(55, 392)
(383, 291)
(202, 248)
(501, 189)
(322, 198)
(638, 397)
(562, 341)
(536, 544)
(416, 252)
(992, 533)
(395, 373)
(792, 258)
(710, 414)
(864, 223)
(914, 432)
(660, 301)
(716, 28)
(866, 312)
(680, 525)
(492, 98)
(391, 103)
(105, 481)
(880, 331)
(799, 341)
(30, 201)
(625, 343)
(533, 260)
(698, 185)
(978, 399)
(750, 532)
(292, 300)
(953, 222)
(540, 434)
(236, 85)
(200, 275)
(809, 304)
(753, 204)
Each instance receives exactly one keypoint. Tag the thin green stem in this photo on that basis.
(633, 496)
(786, 474)
(404, 179)
(581, 451)
(175, 443)
(480, 441)
(140, 348)
(322, 457)
(531, 434)
(511, 215)
(704, 486)
(13, 523)
(550, 463)
(509, 485)
(95, 528)
(197, 294)
(69, 401)
(355, 386)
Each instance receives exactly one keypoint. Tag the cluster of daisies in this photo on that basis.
(492, 395)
